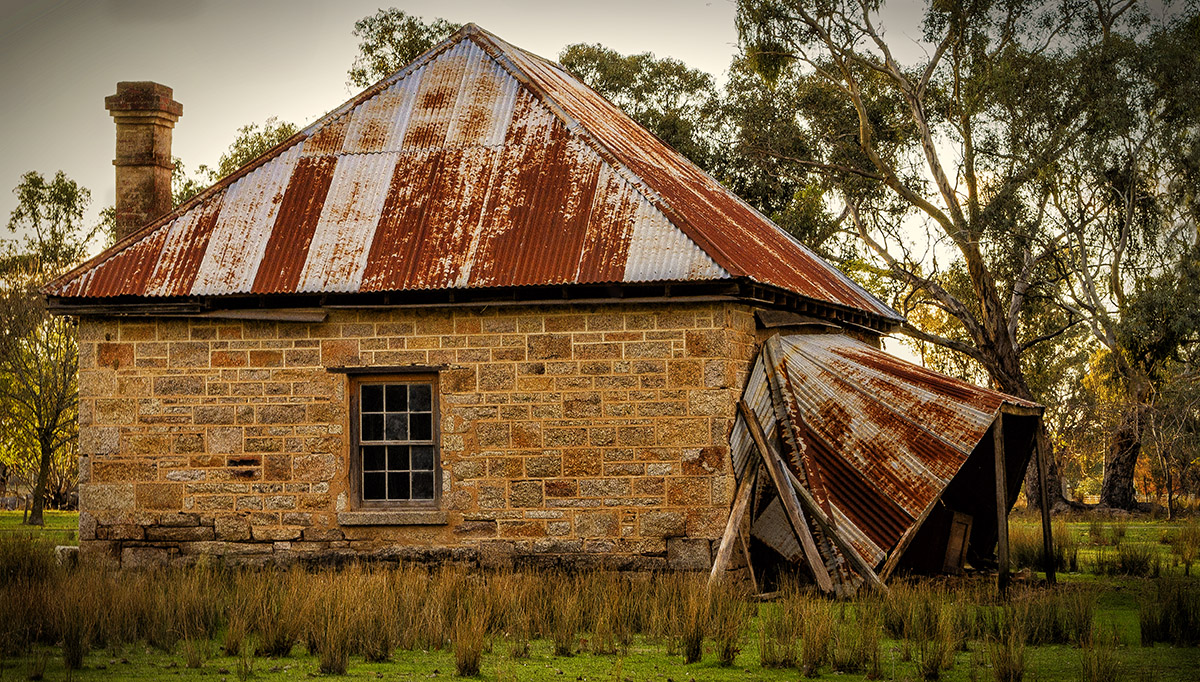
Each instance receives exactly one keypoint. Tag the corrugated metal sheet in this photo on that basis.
(479, 165)
(886, 436)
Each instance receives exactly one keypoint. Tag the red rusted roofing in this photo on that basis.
(886, 436)
(479, 165)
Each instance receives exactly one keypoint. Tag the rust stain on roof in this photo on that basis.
(479, 165)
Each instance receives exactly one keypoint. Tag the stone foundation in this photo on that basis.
(570, 436)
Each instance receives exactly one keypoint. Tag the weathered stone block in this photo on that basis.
(95, 496)
(549, 346)
(121, 470)
(581, 462)
(664, 524)
(521, 529)
(525, 494)
(159, 495)
(596, 524)
(281, 414)
(275, 533)
(314, 468)
(143, 557)
(232, 528)
(544, 466)
(114, 355)
(168, 534)
(687, 554)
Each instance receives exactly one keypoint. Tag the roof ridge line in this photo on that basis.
(494, 46)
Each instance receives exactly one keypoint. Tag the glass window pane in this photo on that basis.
(373, 458)
(422, 485)
(398, 486)
(398, 457)
(372, 398)
(397, 426)
(420, 397)
(420, 426)
(422, 457)
(373, 486)
(397, 398)
(372, 427)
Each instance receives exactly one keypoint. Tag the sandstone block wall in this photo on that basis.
(568, 434)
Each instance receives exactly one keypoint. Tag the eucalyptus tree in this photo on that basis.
(941, 162)
(39, 395)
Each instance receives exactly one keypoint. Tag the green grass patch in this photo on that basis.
(62, 527)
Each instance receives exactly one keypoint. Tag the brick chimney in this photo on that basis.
(144, 113)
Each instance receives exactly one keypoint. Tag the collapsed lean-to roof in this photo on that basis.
(479, 165)
(877, 440)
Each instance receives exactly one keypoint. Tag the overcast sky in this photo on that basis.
(233, 62)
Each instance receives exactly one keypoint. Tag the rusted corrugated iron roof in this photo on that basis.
(479, 165)
(886, 436)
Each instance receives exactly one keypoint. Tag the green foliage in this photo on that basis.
(38, 355)
(677, 103)
(252, 141)
(391, 38)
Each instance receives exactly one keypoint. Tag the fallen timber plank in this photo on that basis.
(777, 471)
(860, 565)
(741, 501)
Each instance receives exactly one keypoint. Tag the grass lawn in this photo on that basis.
(62, 527)
(645, 661)
(1115, 618)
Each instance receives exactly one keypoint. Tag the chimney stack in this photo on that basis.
(144, 113)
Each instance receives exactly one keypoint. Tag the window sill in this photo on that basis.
(406, 517)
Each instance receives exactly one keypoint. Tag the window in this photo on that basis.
(395, 441)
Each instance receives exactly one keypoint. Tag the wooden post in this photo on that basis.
(1040, 451)
(790, 504)
(1001, 504)
(741, 500)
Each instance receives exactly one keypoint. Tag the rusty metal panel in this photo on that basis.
(295, 225)
(887, 436)
(186, 241)
(738, 238)
(341, 241)
(243, 227)
(514, 174)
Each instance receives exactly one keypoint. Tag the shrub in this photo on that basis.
(78, 612)
(469, 633)
(816, 634)
(24, 557)
(565, 616)
(1007, 654)
(1171, 613)
(330, 613)
(730, 611)
(696, 614)
(1098, 659)
(1187, 545)
(777, 635)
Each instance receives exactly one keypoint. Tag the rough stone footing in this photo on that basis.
(683, 554)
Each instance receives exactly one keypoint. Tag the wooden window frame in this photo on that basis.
(355, 463)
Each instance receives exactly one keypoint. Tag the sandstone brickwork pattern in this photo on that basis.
(568, 434)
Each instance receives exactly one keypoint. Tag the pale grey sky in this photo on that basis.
(233, 62)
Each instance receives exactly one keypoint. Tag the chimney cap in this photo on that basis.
(143, 96)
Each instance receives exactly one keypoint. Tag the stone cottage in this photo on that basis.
(475, 313)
